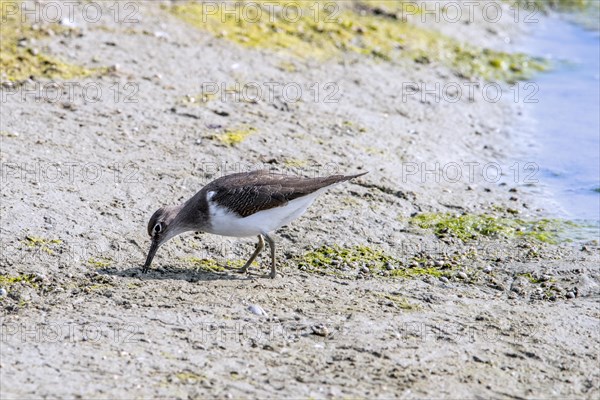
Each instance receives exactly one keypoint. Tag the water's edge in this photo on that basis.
(563, 120)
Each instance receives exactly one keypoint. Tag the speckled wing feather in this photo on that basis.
(249, 192)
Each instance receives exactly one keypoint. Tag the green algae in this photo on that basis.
(19, 62)
(189, 377)
(8, 281)
(398, 301)
(412, 272)
(45, 245)
(336, 256)
(468, 227)
(351, 28)
(287, 66)
(295, 163)
(234, 137)
(99, 263)
(183, 377)
(536, 278)
(204, 264)
(98, 286)
(336, 260)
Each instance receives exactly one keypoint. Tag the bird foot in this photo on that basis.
(243, 270)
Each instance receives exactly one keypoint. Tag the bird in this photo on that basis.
(244, 204)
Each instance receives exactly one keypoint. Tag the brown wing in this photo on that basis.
(249, 192)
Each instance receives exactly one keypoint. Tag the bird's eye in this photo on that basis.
(157, 228)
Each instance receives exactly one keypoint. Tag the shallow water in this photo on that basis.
(566, 120)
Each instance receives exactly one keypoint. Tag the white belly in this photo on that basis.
(226, 223)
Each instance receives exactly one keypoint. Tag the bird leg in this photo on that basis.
(272, 246)
(259, 247)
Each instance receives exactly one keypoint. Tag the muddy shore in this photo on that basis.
(440, 274)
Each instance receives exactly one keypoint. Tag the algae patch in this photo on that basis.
(468, 227)
(295, 163)
(203, 264)
(8, 281)
(365, 260)
(234, 137)
(397, 301)
(45, 245)
(99, 263)
(343, 258)
(19, 61)
(325, 30)
(185, 377)
(531, 278)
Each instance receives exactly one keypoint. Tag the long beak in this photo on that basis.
(153, 248)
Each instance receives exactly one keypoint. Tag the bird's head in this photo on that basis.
(163, 226)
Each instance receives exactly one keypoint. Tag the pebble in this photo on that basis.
(256, 309)
(2, 292)
(444, 279)
(365, 270)
(389, 266)
(462, 275)
(438, 263)
(320, 330)
(481, 359)
(570, 295)
(488, 269)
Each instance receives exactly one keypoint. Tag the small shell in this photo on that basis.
(256, 309)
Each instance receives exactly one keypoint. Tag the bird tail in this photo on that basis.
(334, 179)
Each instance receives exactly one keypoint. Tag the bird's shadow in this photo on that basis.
(170, 272)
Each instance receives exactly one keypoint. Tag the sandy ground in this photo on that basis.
(80, 179)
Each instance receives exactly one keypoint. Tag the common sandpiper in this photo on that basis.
(240, 205)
